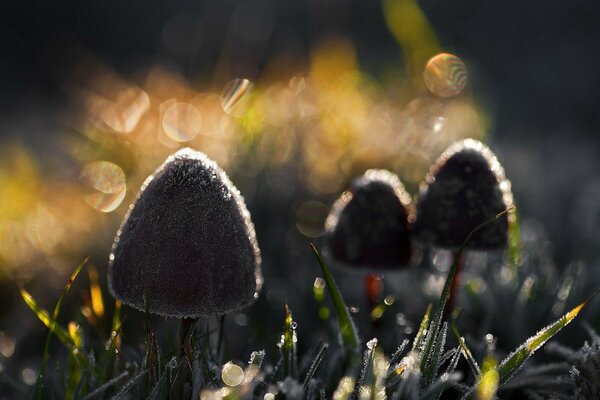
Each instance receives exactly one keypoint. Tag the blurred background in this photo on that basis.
(293, 100)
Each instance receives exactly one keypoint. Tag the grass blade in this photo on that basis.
(314, 365)
(488, 384)
(44, 316)
(513, 363)
(101, 389)
(347, 328)
(466, 352)
(39, 385)
(514, 238)
(438, 313)
(129, 385)
(287, 345)
(433, 364)
(366, 368)
(418, 341)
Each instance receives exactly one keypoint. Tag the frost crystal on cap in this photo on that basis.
(187, 243)
(464, 188)
(368, 225)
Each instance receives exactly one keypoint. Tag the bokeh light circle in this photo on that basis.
(104, 185)
(182, 122)
(232, 374)
(235, 97)
(445, 75)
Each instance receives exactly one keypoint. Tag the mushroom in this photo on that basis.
(187, 244)
(463, 189)
(368, 227)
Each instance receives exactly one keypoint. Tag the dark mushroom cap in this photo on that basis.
(463, 189)
(187, 243)
(368, 225)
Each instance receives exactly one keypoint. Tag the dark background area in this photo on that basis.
(533, 64)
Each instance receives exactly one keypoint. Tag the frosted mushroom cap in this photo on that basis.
(463, 189)
(368, 225)
(187, 243)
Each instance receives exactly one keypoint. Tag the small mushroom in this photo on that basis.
(368, 228)
(368, 225)
(463, 189)
(187, 244)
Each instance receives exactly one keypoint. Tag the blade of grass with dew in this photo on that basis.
(418, 341)
(347, 328)
(438, 313)
(44, 316)
(76, 372)
(466, 352)
(129, 385)
(112, 345)
(432, 366)
(515, 245)
(39, 385)
(513, 363)
(488, 383)
(104, 387)
(454, 361)
(314, 366)
(398, 353)
(287, 344)
(365, 370)
(161, 380)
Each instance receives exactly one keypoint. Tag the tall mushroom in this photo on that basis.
(463, 189)
(368, 226)
(187, 244)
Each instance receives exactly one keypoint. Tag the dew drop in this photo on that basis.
(371, 344)
(104, 185)
(445, 75)
(235, 97)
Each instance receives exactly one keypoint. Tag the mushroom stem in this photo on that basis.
(184, 327)
(459, 258)
(373, 288)
(221, 334)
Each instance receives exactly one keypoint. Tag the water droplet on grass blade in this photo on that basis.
(105, 185)
(235, 97)
(445, 75)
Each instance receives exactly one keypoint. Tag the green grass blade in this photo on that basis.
(44, 316)
(513, 363)
(438, 313)
(368, 356)
(287, 345)
(488, 384)
(515, 244)
(347, 328)
(466, 352)
(314, 366)
(433, 364)
(418, 341)
(39, 385)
